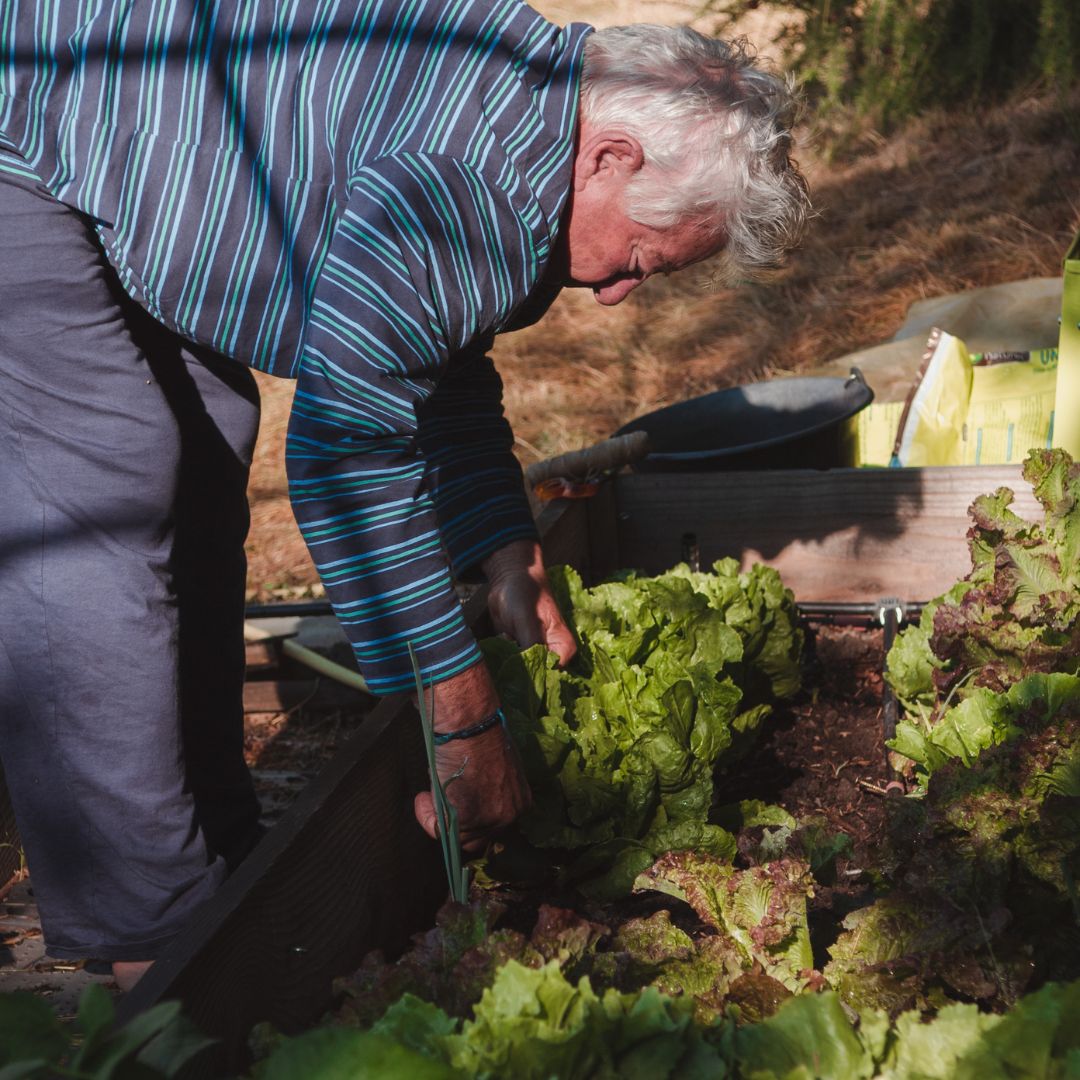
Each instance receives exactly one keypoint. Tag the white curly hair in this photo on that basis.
(715, 128)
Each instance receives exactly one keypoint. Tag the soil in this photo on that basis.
(819, 753)
(824, 755)
(285, 750)
(821, 756)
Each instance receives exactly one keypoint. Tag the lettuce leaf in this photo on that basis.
(1038, 1038)
(1016, 613)
(334, 1053)
(762, 910)
(535, 1024)
(674, 677)
(809, 1037)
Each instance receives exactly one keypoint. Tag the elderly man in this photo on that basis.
(358, 196)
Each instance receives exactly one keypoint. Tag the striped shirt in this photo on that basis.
(358, 195)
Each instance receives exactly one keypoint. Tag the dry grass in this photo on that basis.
(950, 203)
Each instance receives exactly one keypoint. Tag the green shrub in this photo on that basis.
(887, 60)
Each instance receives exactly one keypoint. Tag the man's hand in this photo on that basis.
(521, 603)
(482, 775)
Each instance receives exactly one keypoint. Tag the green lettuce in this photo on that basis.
(986, 719)
(449, 965)
(1016, 612)
(1038, 1038)
(535, 1024)
(333, 1053)
(674, 676)
(810, 1037)
(982, 859)
(760, 911)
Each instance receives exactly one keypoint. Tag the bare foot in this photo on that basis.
(128, 972)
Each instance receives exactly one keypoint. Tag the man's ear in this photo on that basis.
(605, 154)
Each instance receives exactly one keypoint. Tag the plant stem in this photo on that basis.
(457, 875)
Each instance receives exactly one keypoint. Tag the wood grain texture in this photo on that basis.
(564, 532)
(843, 534)
(604, 554)
(281, 695)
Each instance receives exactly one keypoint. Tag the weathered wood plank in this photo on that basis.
(604, 554)
(843, 534)
(281, 695)
(260, 657)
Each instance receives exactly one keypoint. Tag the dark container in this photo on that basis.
(797, 423)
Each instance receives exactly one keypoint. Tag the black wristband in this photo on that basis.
(497, 717)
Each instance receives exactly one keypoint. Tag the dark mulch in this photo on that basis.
(824, 755)
(816, 750)
(813, 758)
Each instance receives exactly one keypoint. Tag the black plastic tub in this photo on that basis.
(797, 423)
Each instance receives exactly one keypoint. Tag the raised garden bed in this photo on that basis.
(347, 870)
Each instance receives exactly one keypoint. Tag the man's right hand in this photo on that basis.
(482, 775)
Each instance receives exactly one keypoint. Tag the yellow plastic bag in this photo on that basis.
(983, 409)
(964, 409)
(1067, 421)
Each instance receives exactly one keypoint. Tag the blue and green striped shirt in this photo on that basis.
(358, 195)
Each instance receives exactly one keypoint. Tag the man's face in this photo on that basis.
(603, 248)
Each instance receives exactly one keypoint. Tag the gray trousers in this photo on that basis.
(124, 456)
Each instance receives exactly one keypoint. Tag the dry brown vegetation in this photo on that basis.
(951, 202)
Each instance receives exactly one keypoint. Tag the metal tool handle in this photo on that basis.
(603, 457)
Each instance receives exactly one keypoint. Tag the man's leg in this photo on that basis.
(216, 404)
(91, 609)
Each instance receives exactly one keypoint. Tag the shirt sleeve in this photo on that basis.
(474, 477)
(426, 261)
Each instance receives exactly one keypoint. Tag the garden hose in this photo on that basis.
(310, 658)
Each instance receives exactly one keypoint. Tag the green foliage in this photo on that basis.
(987, 719)
(534, 1023)
(345, 1054)
(450, 964)
(984, 861)
(887, 60)
(1038, 1038)
(457, 874)
(759, 912)
(1003, 771)
(673, 678)
(531, 1023)
(1016, 613)
(34, 1045)
(809, 1037)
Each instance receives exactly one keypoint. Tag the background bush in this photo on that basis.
(883, 61)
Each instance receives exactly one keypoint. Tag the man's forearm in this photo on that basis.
(463, 700)
(470, 697)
